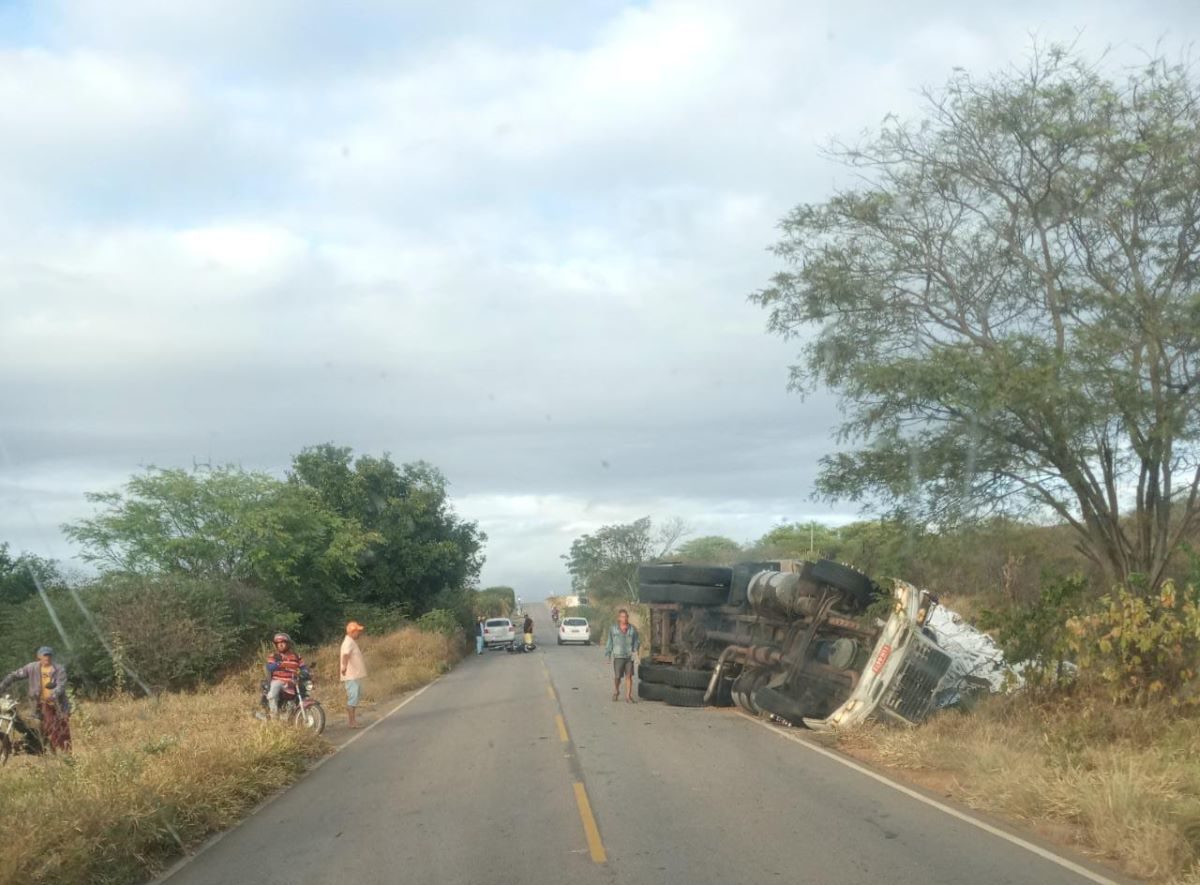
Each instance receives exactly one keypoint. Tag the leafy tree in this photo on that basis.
(494, 602)
(421, 546)
(228, 524)
(713, 549)
(795, 540)
(1007, 304)
(18, 575)
(604, 563)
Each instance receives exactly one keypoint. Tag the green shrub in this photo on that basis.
(1141, 647)
(1037, 632)
(494, 602)
(440, 620)
(378, 619)
(174, 632)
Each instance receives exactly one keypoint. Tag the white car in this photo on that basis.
(574, 630)
(498, 632)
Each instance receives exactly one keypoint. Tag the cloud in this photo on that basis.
(515, 241)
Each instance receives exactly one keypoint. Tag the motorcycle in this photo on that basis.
(16, 736)
(519, 647)
(296, 704)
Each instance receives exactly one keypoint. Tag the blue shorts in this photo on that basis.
(352, 689)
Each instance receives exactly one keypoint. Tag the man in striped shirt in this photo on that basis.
(283, 667)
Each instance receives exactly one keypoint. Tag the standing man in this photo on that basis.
(354, 669)
(623, 644)
(47, 689)
(479, 636)
(527, 629)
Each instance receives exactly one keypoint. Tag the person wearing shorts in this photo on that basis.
(354, 670)
(622, 646)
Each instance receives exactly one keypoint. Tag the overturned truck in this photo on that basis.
(817, 644)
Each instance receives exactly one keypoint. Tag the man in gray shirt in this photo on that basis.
(622, 646)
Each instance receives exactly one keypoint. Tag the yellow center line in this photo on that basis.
(595, 846)
(562, 727)
(550, 691)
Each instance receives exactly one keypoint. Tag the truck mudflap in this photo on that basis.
(903, 674)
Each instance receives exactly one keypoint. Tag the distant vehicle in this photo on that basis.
(575, 630)
(498, 632)
(576, 601)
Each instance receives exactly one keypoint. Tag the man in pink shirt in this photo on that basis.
(354, 670)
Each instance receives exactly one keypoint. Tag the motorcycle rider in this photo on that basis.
(284, 667)
(554, 614)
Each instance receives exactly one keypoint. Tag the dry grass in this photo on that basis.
(149, 777)
(1121, 784)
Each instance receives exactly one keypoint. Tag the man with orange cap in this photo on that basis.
(354, 670)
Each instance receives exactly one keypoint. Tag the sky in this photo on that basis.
(515, 240)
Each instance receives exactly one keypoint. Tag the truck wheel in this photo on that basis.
(684, 697)
(724, 693)
(688, 594)
(857, 587)
(776, 702)
(655, 673)
(742, 573)
(703, 575)
(687, 678)
(744, 686)
(652, 691)
(675, 677)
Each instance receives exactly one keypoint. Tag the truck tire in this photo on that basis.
(683, 697)
(655, 673)
(652, 691)
(857, 587)
(676, 677)
(742, 573)
(723, 697)
(688, 594)
(744, 686)
(772, 700)
(703, 575)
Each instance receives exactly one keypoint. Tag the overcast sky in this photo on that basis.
(513, 239)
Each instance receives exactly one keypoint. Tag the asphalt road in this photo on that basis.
(479, 780)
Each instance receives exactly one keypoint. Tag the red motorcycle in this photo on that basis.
(297, 706)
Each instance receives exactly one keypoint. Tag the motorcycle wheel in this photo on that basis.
(313, 718)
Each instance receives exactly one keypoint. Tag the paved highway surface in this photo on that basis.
(520, 769)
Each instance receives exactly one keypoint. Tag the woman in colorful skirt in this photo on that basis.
(47, 687)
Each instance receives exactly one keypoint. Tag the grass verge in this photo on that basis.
(1122, 784)
(151, 777)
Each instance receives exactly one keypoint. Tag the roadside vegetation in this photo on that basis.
(1118, 782)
